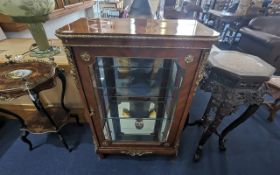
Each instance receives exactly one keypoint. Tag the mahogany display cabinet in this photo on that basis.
(136, 78)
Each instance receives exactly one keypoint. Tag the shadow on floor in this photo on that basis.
(9, 132)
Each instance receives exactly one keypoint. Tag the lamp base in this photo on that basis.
(52, 51)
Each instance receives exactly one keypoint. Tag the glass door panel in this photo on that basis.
(135, 129)
(138, 96)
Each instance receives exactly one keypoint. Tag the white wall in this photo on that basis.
(50, 26)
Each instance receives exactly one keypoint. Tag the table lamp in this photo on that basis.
(33, 13)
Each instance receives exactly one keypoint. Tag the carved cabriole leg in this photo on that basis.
(14, 115)
(248, 113)
(273, 108)
(23, 137)
(272, 113)
(223, 110)
(205, 118)
(61, 76)
(24, 133)
(62, 139)
(39, 106)
(77, 119)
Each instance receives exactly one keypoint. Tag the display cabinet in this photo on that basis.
(136, 78)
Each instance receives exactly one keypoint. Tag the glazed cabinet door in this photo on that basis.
(136, 98)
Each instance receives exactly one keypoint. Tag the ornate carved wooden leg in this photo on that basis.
(25, 140)
(248, 113)
(222, 111)
(77, 119)
(15, 115)
(204, 118)
(24, 133)
(273, 112)
(273, 108)
(62, 139)
(61, 76)
(38, 104)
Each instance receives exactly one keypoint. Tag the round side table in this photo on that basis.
(18, 78)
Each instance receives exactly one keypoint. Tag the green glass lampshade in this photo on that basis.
(34, 13)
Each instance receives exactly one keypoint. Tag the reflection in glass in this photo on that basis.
(138, 96)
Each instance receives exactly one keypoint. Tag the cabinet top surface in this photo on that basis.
(141, 27)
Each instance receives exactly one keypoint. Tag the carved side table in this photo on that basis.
(30, 78)
(234, 79)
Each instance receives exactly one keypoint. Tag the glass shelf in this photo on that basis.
(136, 129)
(135, 108)
(135, 92)
(138, 96)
